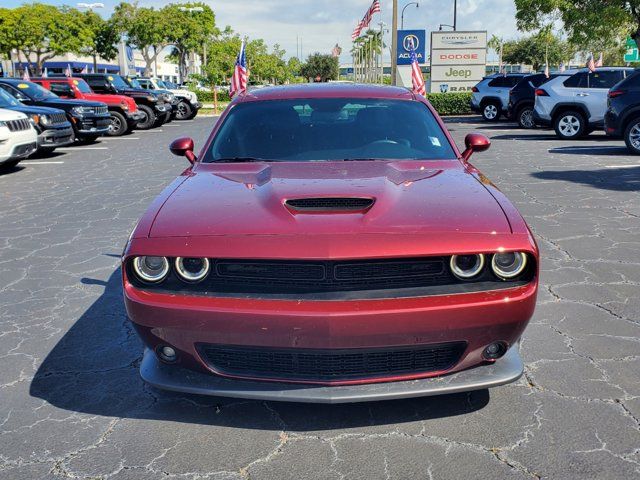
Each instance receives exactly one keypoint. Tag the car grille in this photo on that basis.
(320, 204)
(101, 110)
(18, 125)
(58, 118)
(327, 365)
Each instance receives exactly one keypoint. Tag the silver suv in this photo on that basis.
(574, 102)
(490, 96)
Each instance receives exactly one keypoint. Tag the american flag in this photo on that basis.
(562, 67)
(599, 62)
(45, 73)
(67, 71)
(416, 74)
(591, 64)
(25, 75)
(366, 20)
(240, 75)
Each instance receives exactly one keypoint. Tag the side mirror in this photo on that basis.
(475, 142)
(183, 147)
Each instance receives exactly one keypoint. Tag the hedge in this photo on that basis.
(451, 103)
(444, 103)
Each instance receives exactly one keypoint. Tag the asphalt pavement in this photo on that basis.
(73, 406)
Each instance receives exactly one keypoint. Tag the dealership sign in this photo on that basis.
(458, 60)
(405, 38)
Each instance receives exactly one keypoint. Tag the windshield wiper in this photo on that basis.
(238, 159)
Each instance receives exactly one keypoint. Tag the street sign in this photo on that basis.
(631, 55)
(404, 41)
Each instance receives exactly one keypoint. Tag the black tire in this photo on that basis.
(184, 110)
(632, 136)
(569, 125)
(87, 139)
(9, 165)
(193, 115)
(491, 111)
(45, 150)
(525, 117)
(118, 124)
(149, 118)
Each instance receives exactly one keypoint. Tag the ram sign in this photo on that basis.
(458, 60)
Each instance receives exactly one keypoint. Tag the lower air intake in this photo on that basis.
(329, 204)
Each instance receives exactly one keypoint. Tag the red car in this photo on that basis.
(122, 109)
(330, 243)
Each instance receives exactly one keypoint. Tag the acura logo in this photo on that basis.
(406, 42)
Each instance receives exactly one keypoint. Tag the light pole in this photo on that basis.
(445, 25)
(402, 15)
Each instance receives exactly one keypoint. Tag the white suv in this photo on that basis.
(574, 102)
(490, 96)
(187, 107)
(18, 138)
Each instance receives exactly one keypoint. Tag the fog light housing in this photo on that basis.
(494, 350)
(166, 353)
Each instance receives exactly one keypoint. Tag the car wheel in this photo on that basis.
(491, 111)
(632, 136)
(118, 125)
(149, 118)
(525, 117)
(569, 125)
(184, 111)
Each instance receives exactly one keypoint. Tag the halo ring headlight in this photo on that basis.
(508, 265)
(466, 266)
(151, 269)
(192, 269)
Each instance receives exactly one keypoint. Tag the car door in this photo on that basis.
(595, 95)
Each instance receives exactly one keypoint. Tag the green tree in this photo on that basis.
(326, 67)
(536, 49)
(591, 24)
(8, 32)
(103, 40)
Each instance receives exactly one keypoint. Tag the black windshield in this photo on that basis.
(330, 129)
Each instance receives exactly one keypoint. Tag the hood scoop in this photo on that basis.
(329, 204)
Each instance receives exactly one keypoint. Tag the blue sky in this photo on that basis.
(321, 24)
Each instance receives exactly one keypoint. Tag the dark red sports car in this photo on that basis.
(330, 243)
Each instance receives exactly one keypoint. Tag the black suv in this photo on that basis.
(522, 97)
(152, 105)
(89, 120)
(622, 118)
(54, 130)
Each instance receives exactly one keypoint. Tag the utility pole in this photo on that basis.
(394, 43)
(455, 14)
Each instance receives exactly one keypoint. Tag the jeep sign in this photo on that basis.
(458, 60)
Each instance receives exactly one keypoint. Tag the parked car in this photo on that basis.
(622, 118)
(187, 106)
(169, 98)
(18, 138)
(522, 98)
(490, 96)
(51, 124)
(89, 120)
(574, 102)
(151, 105)
(123, 110)
(342, 249)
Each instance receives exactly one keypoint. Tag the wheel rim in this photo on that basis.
(634, 136)
(115, 125)
(490, 112)
(182, 109)
(569, 125)
(526, 118)
(145, 117)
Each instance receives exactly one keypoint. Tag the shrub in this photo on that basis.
(207, 96)
(450, 103)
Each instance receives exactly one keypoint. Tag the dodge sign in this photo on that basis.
(458, 60)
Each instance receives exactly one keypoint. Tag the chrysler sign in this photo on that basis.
(458, 60)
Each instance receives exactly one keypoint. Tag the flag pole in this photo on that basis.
(394, 43)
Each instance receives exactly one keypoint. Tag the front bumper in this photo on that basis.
(55, 137)
(172, 377)
(162, 107)
(17, 145)
(92, 125)
(135, 117)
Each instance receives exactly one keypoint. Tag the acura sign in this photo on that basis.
(405, 38)
(458, 60)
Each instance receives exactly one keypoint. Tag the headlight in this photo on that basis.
(125, 106)
(508, 265)
(45, 120)
(82, 110)
(192, 269)
(151, 269)
(3, 123)
(152, 98)
(466, 266)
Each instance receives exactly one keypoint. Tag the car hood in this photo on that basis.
(64, 103)
(413, 197)
(110, 99)
(33, 110)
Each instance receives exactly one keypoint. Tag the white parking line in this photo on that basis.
(73, 149)
(622, 166)
(155, 130)
(120, 138)
(29, 162)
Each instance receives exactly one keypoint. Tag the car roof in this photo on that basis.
(573, 71)
(327, 90)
